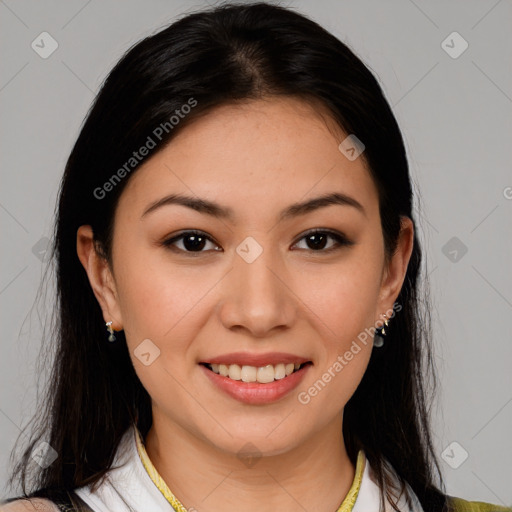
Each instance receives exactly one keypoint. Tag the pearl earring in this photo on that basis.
(111, 331)
(380, 334)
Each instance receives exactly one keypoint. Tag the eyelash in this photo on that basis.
(340, 239)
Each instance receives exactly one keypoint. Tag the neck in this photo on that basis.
(315, 475)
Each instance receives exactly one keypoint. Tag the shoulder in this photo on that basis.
(29, 505)
(460, 505)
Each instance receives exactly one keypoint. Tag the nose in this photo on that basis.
(257, 293)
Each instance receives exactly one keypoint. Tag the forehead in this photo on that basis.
(254, 154)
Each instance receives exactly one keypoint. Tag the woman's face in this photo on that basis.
(252, 288)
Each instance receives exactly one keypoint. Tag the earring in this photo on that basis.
(111, 331)
(380, 334)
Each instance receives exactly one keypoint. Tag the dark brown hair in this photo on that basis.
(233, 52)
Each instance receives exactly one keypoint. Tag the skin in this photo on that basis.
(257, 158)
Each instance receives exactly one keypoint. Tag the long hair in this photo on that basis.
(229, 53)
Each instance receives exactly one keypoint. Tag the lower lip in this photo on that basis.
(255, 393)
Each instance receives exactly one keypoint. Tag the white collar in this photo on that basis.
(368, 498)
(129, 488)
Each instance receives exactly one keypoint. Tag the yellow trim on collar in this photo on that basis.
(155, 476)
(351, 497)
(346, 506)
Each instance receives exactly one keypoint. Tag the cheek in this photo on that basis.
(345, 350)
(163, 303)
(344, 302)
(345, 297)
(155, 312)
(153, 295)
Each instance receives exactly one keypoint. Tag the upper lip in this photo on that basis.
(244, 358)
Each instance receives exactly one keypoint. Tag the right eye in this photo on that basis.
(192, 242)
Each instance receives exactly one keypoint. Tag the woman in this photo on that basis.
(238, 282)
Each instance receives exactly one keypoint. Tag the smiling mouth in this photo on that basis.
(262, 374)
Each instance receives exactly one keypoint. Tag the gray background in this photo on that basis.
(456, 118)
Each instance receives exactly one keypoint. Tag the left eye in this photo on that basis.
(195, 241)
(318, 238)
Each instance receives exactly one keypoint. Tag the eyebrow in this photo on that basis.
(215, 210)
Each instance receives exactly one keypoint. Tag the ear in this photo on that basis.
(394, 273)
(100, 277)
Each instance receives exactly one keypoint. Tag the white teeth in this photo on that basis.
(235, 372)
(262, 374)
(279, 371)
(249, 373)
(265, 374)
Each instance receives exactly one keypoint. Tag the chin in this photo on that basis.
(265, 438)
